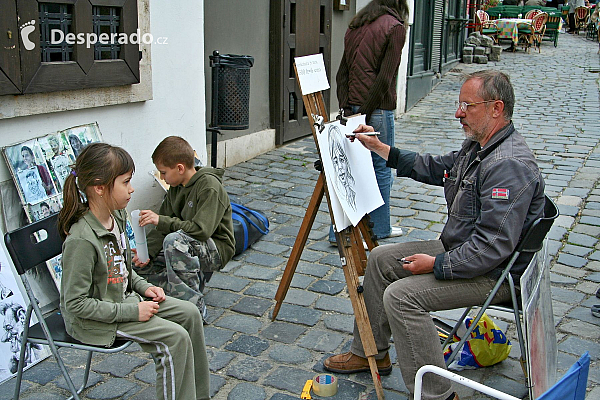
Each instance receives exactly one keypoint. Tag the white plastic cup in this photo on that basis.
(139, 232)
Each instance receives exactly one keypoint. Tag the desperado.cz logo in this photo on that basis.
(26, 30)
(89, 39)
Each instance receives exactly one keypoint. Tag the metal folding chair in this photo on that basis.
(570, 387)
(28, 247)
(532, 242)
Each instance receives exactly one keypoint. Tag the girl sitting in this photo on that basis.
(102, 298)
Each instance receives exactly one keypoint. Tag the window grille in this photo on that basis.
(59, 17)
(106, 21)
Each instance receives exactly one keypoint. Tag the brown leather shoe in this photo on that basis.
(349, 363)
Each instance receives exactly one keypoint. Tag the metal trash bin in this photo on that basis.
(231, 90)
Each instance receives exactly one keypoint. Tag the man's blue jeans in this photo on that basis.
(382, 121)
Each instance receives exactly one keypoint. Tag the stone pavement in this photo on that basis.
(558, 111)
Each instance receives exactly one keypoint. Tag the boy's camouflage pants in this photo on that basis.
(180, 265)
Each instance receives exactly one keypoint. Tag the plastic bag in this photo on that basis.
(488, 345)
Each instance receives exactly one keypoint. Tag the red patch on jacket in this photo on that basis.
(500, 193)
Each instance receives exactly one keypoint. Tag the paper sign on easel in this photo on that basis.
(311, 73)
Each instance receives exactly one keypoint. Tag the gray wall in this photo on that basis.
(340, 22)
(240, 27)
(235, 27)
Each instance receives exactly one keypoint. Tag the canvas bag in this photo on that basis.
(248, 226)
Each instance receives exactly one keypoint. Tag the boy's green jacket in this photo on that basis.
(91, 295)
(201, 209)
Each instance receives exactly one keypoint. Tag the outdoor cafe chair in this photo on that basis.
(571, 386)
(581, 17)
(28, 247)
(485, 25)
(534, 31)
(531, 242)
(532, 13)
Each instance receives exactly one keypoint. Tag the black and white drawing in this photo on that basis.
(31, 185)
(61, 165)
(348, 167)
(12, 320)
(344, 181)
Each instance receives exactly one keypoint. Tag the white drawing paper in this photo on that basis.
(349, 173)
(311, 73)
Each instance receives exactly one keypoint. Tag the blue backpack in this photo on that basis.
(248, 226)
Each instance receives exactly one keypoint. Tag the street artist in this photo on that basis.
(494, 192)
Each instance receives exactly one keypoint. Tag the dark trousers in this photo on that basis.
(571, 22)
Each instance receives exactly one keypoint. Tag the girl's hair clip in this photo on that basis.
(74, 173)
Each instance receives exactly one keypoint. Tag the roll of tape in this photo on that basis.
(325, 385)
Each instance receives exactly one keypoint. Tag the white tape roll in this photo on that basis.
(325, 385)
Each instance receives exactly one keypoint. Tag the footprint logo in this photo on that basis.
(26, 30)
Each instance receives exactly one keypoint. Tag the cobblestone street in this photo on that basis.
(558, 112)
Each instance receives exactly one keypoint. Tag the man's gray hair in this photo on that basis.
(495, 86)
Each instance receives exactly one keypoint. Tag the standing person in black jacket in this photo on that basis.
(366, 84)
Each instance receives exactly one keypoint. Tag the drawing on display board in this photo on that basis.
(348, 166)
(45, 208)
(31, 185)
(61, 165)
(12, 319)
(39, 168)
(81, 136)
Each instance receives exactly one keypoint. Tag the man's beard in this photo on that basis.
(473, 135)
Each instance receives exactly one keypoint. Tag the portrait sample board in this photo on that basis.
(540, 331)
(39, 168)
(12, 303)
(349, 172)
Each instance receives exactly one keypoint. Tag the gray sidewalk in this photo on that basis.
(558, 111)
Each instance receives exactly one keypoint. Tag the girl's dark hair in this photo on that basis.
(97, 164)
(377, 8)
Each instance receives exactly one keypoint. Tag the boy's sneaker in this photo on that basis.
(203, 310)
(396, 231)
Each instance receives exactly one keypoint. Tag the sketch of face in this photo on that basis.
(54, 145)
(61, 168)
(44, 210)
(338, 156)
(75, 144)
(341, 166)
(27, 155)
(33, 186)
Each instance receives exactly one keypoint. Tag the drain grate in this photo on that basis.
(456, 70)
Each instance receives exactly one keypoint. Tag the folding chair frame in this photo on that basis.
(532, 242)
(27, 254)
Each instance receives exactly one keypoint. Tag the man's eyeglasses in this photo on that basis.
(463, 105)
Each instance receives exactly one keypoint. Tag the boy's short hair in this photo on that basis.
(174, 150)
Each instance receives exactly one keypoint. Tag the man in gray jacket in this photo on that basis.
(494, 192)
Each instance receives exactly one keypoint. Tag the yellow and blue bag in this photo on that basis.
(488, 345)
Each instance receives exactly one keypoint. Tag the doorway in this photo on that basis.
(297, 28)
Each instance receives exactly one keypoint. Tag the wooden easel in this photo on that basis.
(349, 241)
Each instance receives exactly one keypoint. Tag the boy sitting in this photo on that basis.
(194, 228)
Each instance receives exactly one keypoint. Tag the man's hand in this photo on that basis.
(136, 260)
(371, 142)
(147, 309)
(419, 264)
(155, 293)
(148, 217)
